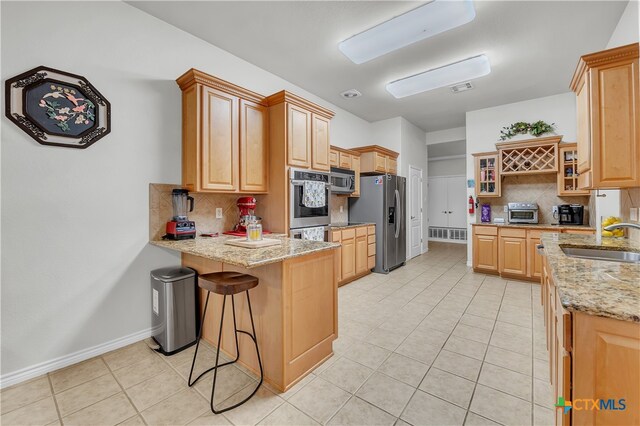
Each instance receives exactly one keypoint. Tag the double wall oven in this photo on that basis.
(302, 217)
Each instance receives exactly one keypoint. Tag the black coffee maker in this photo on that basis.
(570, 214)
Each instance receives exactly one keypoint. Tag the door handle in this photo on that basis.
(449, 212)
(413, 217)
(399, 213)
(444, 211)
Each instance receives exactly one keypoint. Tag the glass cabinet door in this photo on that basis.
(487, 176)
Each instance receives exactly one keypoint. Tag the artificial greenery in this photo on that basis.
(520, 128)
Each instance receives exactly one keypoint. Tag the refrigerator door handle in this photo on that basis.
(398, 213)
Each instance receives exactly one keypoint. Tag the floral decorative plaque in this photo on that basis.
(57, 108)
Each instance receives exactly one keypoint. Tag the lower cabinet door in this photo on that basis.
(513, 256)
(534, 260)
(485, 252)
(348, 257)
(362, 253)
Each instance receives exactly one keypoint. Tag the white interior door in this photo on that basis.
(415, 210)
(457, 201)
(437, 205)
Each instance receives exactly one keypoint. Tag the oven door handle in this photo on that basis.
(301, 182)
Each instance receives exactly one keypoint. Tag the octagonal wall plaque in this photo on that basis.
(57, 108)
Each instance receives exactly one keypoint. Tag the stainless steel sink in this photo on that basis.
(599, 254)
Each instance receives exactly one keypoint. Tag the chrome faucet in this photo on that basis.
(621, 225)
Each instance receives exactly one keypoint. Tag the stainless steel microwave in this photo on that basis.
(343, 181)
(523, 212)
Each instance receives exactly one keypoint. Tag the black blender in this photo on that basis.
(180, 228)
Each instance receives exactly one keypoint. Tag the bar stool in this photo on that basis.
(226, 284)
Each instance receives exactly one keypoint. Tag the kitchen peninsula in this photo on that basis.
(294, 306)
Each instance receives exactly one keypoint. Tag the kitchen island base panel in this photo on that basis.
(295, 314)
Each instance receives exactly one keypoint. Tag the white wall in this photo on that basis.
(413, 152)
(446, 135)
(450, 167)
(75, 255)
(483, 129)
(387, 133)
(627, 30)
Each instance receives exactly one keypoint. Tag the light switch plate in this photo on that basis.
(506, 209)
(218, 213)
(633, 214)
(341, 209)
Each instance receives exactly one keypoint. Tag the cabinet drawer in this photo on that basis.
(535, 233)
(513, 232)
(372, 250)
(372, 239)
(345, 160)
(336, 236)
(361, 231)
(485, 230)
(371, 230)
(348, 234)
(371, 262)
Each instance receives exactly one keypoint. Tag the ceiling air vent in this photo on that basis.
(350, 94)
(462, 87)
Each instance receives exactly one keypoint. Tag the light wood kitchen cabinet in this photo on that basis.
(487, 174)
(512, 252)
(225, 140)
(568, 171)
(320, 143)
(608, 118)
(375, 159)
(534, 260)
(485, 249)
(355, 166)
(298, 136)
(347, 159)
(336, 237)
(334, 158)
(254, 147)
(357, 252)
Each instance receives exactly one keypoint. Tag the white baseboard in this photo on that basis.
(438, 240)
(36, 370)
(469, 264)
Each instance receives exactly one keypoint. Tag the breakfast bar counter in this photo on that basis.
(295, 305)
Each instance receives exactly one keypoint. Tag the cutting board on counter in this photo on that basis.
(265, 242)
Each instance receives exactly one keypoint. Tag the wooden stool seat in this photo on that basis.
(227, 283)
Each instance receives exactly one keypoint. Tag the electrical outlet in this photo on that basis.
(218, 213)
(633, 214)
(341, 209)
(506, 209)
(554, 210)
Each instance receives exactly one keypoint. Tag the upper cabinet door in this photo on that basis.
(355, 166)
(299, 137)
(254, 147)
(583, 132)
(219, 155)
(320, 143)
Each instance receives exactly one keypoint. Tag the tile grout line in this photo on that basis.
(55, 401)
(138, 413)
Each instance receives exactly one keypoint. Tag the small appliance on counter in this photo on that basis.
(174, 317)
(485, 215)
(180, 227)
(570, 214)
(246, 211)
(523, 212)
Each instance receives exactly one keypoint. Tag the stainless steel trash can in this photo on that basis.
(174, 310)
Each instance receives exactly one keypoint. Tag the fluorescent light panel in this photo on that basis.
(467, 69)
(420, 23)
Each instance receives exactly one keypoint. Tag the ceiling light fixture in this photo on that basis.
(467, 69)
(417, 24)
(350, 94)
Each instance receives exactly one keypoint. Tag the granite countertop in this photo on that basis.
(214, 248)
(344, 225)
(595, 287)
(536, 225)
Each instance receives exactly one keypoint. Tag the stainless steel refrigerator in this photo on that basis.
(382, 201)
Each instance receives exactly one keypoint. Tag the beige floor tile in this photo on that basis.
(358, 412)
(342, 344)
(543, 393)
(405, 369)
(500, 407)
(288, 415)
(448, 387)
(154, 390)
(328, 363)
(110, 411)
(293, 389)
(507, 381)
(521, 319)
(230, 381)
(430, 336)
(128, 355)
(347, 374)
(368, 355)
(354, 329)
(140, 371)
(460, 365)
(385, 339)
(416, 347)
(320, 399)
(519, 344)
(178, 409)
(425, 409)
(210, 419)
(541, 369)
(40, 412)
(472, 333)
(86, 394)
(78, 374)
(508, 359)
(466, 347)
(543, 416)
(511, 329)
(476, 321)
(133, 421)
(482, 311)
(476, 420)
(25, 393)
(384, 392)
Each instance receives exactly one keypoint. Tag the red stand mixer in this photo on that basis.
(246, 210)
